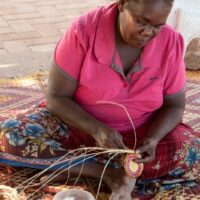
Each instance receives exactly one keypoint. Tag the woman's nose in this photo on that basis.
(147, 32)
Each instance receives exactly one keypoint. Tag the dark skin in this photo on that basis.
(60, 97)
(137, 23)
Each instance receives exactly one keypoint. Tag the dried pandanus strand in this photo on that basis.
(131, 167)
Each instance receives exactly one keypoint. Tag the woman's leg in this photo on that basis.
(177, 156)
(37, 139)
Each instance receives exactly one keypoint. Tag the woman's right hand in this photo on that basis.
(109, 138)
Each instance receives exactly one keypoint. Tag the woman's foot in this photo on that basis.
(120, 185)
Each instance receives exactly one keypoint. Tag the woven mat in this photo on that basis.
(192, 113)
(18, 95)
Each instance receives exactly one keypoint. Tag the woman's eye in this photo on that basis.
(159, 26)
(138, 21)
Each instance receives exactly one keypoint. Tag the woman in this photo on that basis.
(124, 53)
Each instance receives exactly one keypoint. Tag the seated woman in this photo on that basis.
(122, 53)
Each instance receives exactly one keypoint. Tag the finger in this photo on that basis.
(145, 159)
(142, 149)
(112, 145)
(106, 144)
(119, 141)
(126, 198)
(98, 141)
(100, 144)
(120, 144)
(114, 196)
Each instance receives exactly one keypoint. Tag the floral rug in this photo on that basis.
(18, 95)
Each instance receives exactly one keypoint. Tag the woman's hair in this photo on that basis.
(168, 2)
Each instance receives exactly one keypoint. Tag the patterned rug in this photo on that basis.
(192, 113)
(18, 95)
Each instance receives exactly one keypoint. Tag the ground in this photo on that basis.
(29, 30)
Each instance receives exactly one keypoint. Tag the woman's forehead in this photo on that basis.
(149, 9)
(140, 6)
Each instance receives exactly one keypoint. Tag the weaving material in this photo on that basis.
(132, 168)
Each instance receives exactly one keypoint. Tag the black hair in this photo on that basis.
(169, 2)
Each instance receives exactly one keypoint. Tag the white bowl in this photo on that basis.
(73, 194)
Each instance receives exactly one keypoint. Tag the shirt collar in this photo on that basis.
(104, 46)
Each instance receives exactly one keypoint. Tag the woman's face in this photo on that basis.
(141, 20)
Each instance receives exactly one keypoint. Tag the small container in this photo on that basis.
(73, 194)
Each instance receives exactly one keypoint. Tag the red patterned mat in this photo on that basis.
(192, 113)
(21, 175)
(19, 178)
(18, 95)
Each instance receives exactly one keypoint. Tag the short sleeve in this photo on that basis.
(176, 77)
(69, 53)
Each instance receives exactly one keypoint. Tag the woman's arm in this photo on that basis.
(168, 117)
(60, 92)
(165, 120)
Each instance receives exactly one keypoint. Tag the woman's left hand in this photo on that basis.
(147, 150)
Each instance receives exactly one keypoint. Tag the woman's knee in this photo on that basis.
(35, 130)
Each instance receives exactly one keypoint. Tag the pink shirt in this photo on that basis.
(86, 54)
